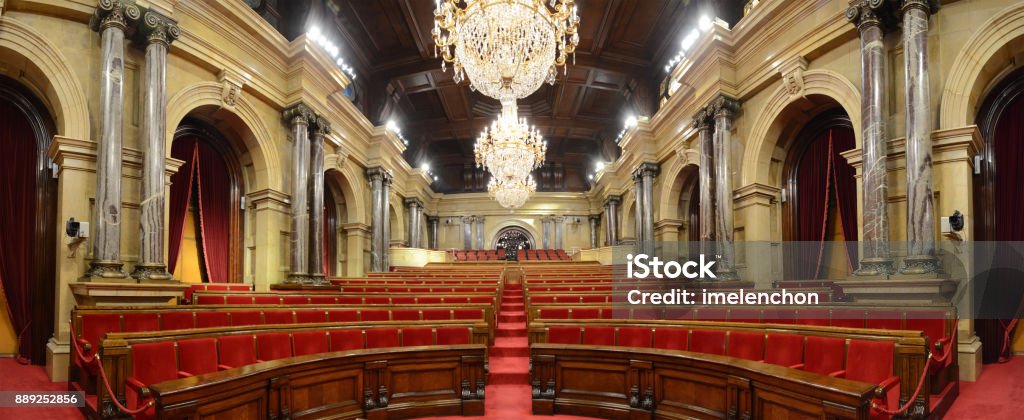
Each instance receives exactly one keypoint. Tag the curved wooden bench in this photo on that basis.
(649, 383)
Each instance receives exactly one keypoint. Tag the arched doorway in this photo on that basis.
(206, 215)
(27, 220)
(335, 215)
(820, 206)
(688, 209)
(513, 238)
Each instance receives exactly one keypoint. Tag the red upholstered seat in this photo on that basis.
(586, 313)
(712, 314)
(564, 335)
(238, 300)
(278, 317)
(211, 319)
(436, 314)
(480, 299)
(210, 300)
(468, 314)
(848, 318)
(197, 357)
(780, 316)
(343, 315)
(310, 316)
(374, 315)
(272, 346)
(593, 298)
(599, 336)
(818, 317)
(405, 315)
(554, 313)
(350, 300)
(245, 318)
(745, 315)
(149, 366)
(95, 327)
(872, 362)
(141, 321)
(708, 341)
(417, 337)
(346, 339)
(453, 335)
(884, 319)
(177, 320)
(377, 300)
(309, 342)
(824, 355)
(679, 313)
(267, 300)
(607, 313)
(381, 337)
(634, 337)
(746, 345)
(322, 300)
(295, 300)
(428, 300)
(236, 350)
(403, 300)
(784, 350)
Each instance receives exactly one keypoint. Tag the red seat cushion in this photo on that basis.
(381, 337)
(564, 335)
(177, 320)
(267, 300)
(417, 337)
(453, 335)
(350, 339)
(310, 316)
(210, 299)
(746, 345)
(238, 300)
(869, 361)
(429, 300)
(322, 300)
(198, 356)
(403, 300)
(350, 300)
(708, 341)
(586, 313)
(745, 315)
(780, 316)
(599, 336)
(309, 342)
(141, 321)
(784, 349)
(634, 337)
(236, 350)
(436, 314)
(245, 318)
(377, 300)
(211, 319)
(96, 326)
(824, 355)
(295, 300)
(818, 317)
(554, 313)
(932, 323)
(154, 362)
(375, 315)
(712, 314)
(848, 318)
(462, 314)
(405, 315)
(278, 317)
(272, 346)
(347, 315)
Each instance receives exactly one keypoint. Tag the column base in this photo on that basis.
(106, 271)
(152, 273)
(875, 267)
(318, 280)
(58, 356)
(297, 278)
(921, 264)
(968, 352)
(727, 274)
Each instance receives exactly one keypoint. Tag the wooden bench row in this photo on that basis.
(323, 298)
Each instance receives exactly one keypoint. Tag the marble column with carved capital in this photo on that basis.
(611, 206)
(414, 208)
(319, 130)
(380, 241)
(467, 232)
(480, 232)
(299, 117)
(704, 123)
(871, 16)
(638, 213)
(559, 222)
(545, 223)
(111, 19)
(647, 171)
(433, 221)
(920, 204)
(156, 32)
(595, 220)
(724, 109)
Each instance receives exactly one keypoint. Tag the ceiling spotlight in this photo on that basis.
(314, 32)
(599, 166)
(425, 166)
(435, 178)
(591, 176)
(392, 126)
(630, 121)
(705, 23)
(690, 39)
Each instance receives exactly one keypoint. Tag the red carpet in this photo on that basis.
(18, 377)
(998, 394)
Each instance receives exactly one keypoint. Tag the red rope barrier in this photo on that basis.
(103, 375)
(920, 382)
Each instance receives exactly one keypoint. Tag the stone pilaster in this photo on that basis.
(638, 216)
(595, 220)
(319, 129)
(611, 205)
(480, 232)
(724, 109)
(870, 16)
(111, 19)
(703, 121)
(299, 117)
(920, 204)
(157, 33)
(380, 185)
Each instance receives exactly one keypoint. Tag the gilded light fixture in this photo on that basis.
(510, 148)
(511, 193)
(507, 48)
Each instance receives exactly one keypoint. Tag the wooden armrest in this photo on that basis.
(884, 387)
(797, 366)
(260, 361)
(224, 367)
(838, 373)
(183, 374)
(137, 386)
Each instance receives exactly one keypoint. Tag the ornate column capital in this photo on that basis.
(613, 199)
(930, 7)
(651, 169)
(413, 202)
(433, 220)
(703, 119)
(724, 105)
(869, 13)
(378, 173)
(321, 127)
(596, 218)
(114, 13)
(157, 29)
(299, 114)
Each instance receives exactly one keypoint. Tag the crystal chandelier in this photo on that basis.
(511, 193)
(509, 148)
(508, 48)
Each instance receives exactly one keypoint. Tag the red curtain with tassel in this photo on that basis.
(813, 184)
(181, 192)
(17, 220)
(329, 229)
(215, 194)
(845, 181)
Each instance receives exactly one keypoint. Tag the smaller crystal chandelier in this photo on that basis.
(511, 193)
(510, 149)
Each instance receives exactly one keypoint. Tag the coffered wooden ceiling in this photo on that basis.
(624, 46)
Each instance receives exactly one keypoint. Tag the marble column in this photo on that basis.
(299, 117)
(111, 19)
(546, 223)
(920, 205)
(638, 216)
(611, 205)
(559, 222)
(158, 32)
(320, 129)
(385, 198)
(648, 171)
(480, 233)
(703, 121)
(414, 207)
(725, 109)
(595, 220)
(467, 232)
(875, 256)
(434, 221)
(380, 179)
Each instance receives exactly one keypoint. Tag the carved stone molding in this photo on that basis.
(378, 172)
(867, 13)
(792, 72)
(724, 105)
(231, 87)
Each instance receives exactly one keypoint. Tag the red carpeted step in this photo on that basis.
(512, 307)
(510, 330)
(510, 347)
(509, 370)
(512, 317)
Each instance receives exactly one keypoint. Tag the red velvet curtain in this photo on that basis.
(214, 212)
(845, 181)
(181, 192)
(812, 196)
(17, 219)
(329, 229)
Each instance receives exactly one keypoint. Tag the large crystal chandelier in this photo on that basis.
(511, 193)
(509, 148)
(508, 48)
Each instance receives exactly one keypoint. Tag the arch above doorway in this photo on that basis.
(515, 233)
